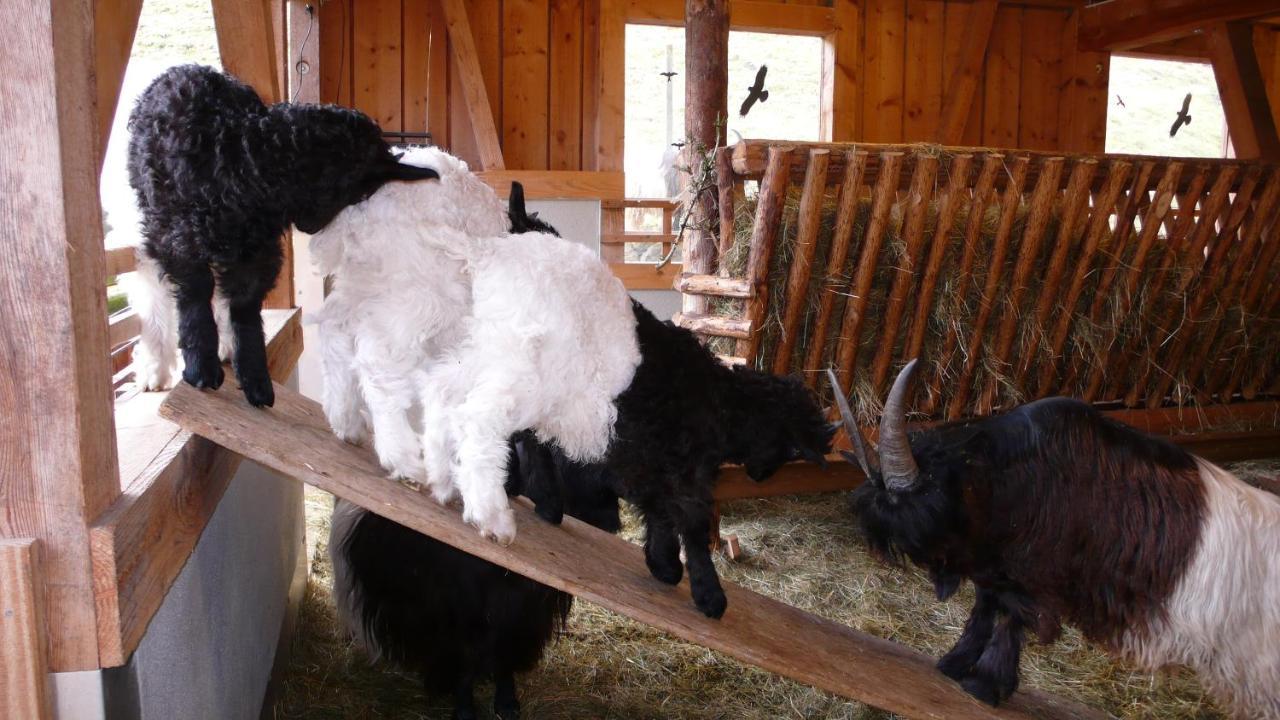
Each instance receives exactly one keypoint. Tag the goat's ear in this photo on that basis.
(515, 202)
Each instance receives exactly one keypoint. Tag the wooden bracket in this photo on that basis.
(24, 662)
(963, 83)
(1243, 91)
(473, 90)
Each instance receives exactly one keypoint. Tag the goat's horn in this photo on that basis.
(899, 467)
(866, 460)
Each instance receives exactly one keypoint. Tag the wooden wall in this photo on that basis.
(556, 95)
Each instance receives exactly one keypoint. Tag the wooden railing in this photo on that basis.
(635, 255)
(123, 325)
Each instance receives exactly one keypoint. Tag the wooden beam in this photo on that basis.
(1243, 92)
(474, 93)
(294, 439)
(558, 184)
(115, 24)
(610, 87)
(173, 482)
(246, 43)
(962, 86)
(57, 451)
(24, 663)
(840, 82)
(525, 85)
(304, 51)
(747, 15)
(706, 117)
(1125, 24)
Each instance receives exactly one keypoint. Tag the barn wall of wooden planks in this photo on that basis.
(894, 68)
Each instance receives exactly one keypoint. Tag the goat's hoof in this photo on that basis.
(955, 665)
(153, 379)
(711, 603)
(258, 391)
(667, 573)
(499, 526)
(552, 513)
(987, 689)
(207, 375)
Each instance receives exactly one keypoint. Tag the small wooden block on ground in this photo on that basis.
(293, 438)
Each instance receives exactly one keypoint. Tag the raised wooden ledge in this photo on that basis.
(558, 184)
(293, 438)
(171, 484)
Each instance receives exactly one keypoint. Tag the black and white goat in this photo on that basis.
(219, 176)
(1059, 514)
(450, 616)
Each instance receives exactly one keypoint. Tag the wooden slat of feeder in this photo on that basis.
(713, 285)
(860, 292)
(1008, 211)
(806, 246)
(293, 438)
(957, 184)
(1043, 199)
(1074, 207)
(714, 325)
(1158, 260)
(1118, 177)
(1151, 223)
(1253, 301)
(1205, 286)
(1263, 217)
(728, 189)
(1136, 198)
(1267, 368)
(855, 164)
(1192, 256)
(769, 204)
(905, 269)
(982, 193)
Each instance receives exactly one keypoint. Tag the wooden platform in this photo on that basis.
(294, 439)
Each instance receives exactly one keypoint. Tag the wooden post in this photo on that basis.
(706, 98)
(58, 465)
(1244, 94)
(303, 58)
(115, 23)
(24, 663)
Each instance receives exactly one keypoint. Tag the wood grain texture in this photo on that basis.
(764, 228)
(57, 451)
(440, 74)
(293, 439)
(246, 44)
(923, 76)
(1243, 92)
(475, 96)
(172, 485)
(884, 47)
(376, 61)
(418, 19)
(304, 47)
(610, 85)
(841, 81)
(24, 662)
(966, 60)
(525, 84)
(336, 42)
(1040, 92)
(1125, 24)
(1003, 80)
(566, 87)
(558, 184)
(115, 23)
(797, 290)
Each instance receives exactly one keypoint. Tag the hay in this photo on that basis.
(1132, 327)
(801, 551)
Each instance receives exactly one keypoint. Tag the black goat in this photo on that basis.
(683, 416)
(1059, 514)
(452, 617)
(219, 176)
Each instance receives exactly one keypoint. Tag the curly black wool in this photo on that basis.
(219, 176)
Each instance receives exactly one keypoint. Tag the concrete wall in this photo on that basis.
(209, 650)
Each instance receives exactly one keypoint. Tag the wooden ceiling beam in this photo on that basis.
(1243, 91)
(1127, 24)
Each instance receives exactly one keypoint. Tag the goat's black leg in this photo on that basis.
(977, 632)
(245, 289)
(542, 483)
(695, 531)
(197, 330)
(464, 701)
(661, 547)
(506, 704)
(995, 676)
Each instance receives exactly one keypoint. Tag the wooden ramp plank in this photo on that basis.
(294, 439)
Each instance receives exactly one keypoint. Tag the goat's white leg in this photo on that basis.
(438, 442)
(484, 424)
(343, 404)
(391, 394)
(155, 357)
(222, 316)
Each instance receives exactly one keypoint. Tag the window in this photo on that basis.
(1146, 95)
